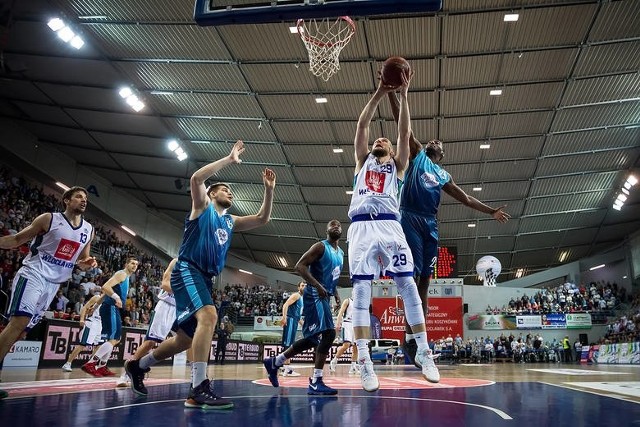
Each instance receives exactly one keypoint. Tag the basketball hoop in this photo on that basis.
(324, 40)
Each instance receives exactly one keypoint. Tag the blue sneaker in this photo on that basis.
(319, 387)
(272, 370)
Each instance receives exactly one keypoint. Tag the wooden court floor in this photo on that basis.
(499, 394)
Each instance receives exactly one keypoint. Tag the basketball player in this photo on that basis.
(91, 329)
(424, 180)
(320, 267)
(164, 314)
(202, 256)
(60, 241)
(375, 236)
(345, 323)
(291, 311)
(116, 290)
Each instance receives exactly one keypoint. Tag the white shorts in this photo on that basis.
(90, 334)
(31, 295)
(347, 332)
(164, 315)
(378, 247)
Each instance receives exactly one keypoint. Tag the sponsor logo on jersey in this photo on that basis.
(429, 180)
(375, 181)
(222, 236)
(66, 249)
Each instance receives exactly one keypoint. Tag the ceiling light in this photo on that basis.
(338, 150)
(160, 92)
(125, 92)
(477, 189)
(519, 273)
(617, 207)
(139, 105)
(563, 256)
(596, 267)
(173, 145)
(63, 186)
(471, 225)
(621, 197)
(321, 100)
(511, 17)
(485, 146)
(93, 17)
(349, 192)
(66, 34)
(182, 156)
(632, 180)
(283, 261)
(132, 100)
(495, 92)
(201, 142)
(56, 24)
(179, 151)
(244, 271)
(77, 42)
(128, 230)
(625, 191)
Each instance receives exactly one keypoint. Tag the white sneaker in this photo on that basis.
(333, 364)
(290, 373)
(123, 381)
(429, 369)
(354, 370)
(368, 377)
(67, 367)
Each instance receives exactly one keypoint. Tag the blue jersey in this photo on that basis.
(295, 310)
(327, 269)
(423, 181)
(121, 289)
(206, 241)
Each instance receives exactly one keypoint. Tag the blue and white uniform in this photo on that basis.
(110, 314)
(49, 263)
(376, 241)
(290, 329)
(163, 317)
(201, 257)
(92, 330)
(316, 310)
(419, 203)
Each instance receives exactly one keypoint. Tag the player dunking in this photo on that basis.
(202, 256)
(59, 242)
(320, 267)
(116, 290)
(375, 234)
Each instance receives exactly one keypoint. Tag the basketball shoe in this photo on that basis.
(136, 373)
(270, 365)
(320, 388)
(333, 364)
(203, 397)
(67, 367)
(429, 369)
(368, 377)
(91, 369)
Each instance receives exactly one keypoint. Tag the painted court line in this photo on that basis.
(578, 372)
(567, 386)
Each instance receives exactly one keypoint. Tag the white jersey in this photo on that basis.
(348, 313)
(167, 297)
(95, 316)
(53, 254)
(376, 189)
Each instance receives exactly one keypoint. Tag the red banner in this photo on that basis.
(391, 317)
(445, 318)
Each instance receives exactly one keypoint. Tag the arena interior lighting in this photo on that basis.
(65, 33)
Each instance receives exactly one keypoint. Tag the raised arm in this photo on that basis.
(457, 193)
(166, 277)
(243, 223)
(314, 253)
(199, 198)
(40, 225)
(404, 125)
(414, 145)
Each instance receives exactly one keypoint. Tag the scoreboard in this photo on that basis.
(447, 265)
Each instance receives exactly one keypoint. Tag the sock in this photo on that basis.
(103, 353)
(408, 337)
(280, 359)
(198, 373)
(317, 373)
(363, 350)
(421, 340)
(148, 361)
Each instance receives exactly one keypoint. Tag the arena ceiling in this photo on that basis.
(564, 135)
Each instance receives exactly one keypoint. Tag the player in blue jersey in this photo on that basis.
(424, 180)
(116, 290)
(202, 255)
(291, 314)
(320, 267)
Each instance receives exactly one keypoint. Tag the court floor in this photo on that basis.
(500, 394)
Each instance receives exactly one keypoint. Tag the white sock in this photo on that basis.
(408, 337)
(104, 352)
(363, 350)
(317, 373)
(148, 361)
(198, 373)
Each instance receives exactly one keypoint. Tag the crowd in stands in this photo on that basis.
(627, 327)
(245, 301)
(566, 298)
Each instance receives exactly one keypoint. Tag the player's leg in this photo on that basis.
(328, 334)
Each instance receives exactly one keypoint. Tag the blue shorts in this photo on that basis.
(192, 290)
(111, 322)
(317, 316)
(289, 332)
(422, 236)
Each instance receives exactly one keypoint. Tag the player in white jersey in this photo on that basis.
(345, 322)
(375, 237)
(59, 242)
(163, 318)
(91, 325)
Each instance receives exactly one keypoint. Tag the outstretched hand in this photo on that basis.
(500, 215)
(87, 263)
(407, 75)
(238, 148)
(383, 88)
(269, 178)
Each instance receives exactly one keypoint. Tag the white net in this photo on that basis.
(324, 40)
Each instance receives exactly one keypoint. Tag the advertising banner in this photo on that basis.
(23, 354)
(529, 322)
(444, 318)
(489, 322)
(268, 323)
(554, 321)
(272, 350)
(578, 321)
(390, 312)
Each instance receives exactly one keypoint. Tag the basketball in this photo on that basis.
(392, 69)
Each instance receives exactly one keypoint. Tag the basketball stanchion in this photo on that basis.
(324, 40)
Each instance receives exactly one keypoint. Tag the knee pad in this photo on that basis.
(412, 304)
(361, 295)
(327, 340)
